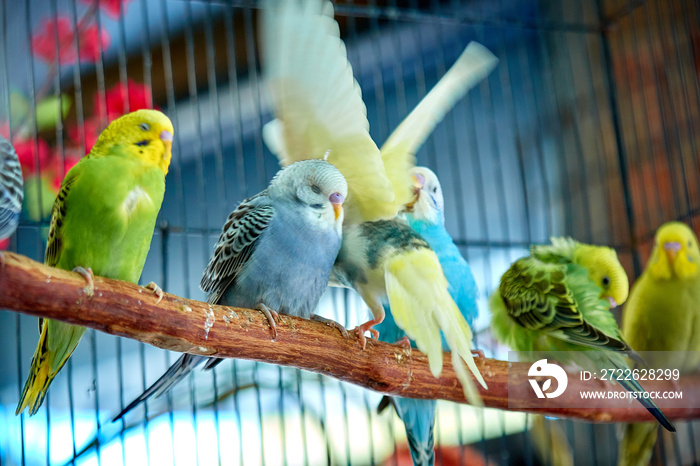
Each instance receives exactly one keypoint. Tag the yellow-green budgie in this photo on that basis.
(663, 314)
(558, 299)
(320, 113)
(103, 221)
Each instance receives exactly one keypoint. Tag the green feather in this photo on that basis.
(549, 302)
(103, 219)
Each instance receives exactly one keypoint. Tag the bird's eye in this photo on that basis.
(144, 126)
(316, 189)
(690, 244)
(435, 190)
(606, 281)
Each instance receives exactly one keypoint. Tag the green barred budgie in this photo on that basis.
(103, 221)
(559, 298)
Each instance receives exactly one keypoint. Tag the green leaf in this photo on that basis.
(47, 111)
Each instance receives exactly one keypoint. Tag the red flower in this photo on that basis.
(139, 96)
(92, 131)
(4, 243)
(89, 48)
(114, 8)
(27, 150)
(59, 32)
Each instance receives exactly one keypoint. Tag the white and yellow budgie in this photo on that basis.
(320, 113)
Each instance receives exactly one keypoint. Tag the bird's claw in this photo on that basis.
(361, 336)
(87, 274)
(333, 324)
(478, 353)
(404, 342)
(272, 317)
(158, 291)
(367, 326)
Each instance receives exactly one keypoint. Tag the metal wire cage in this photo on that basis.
(589, 127)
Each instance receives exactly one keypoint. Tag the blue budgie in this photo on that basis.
(274, 254)
(425, 214)
(11, 192)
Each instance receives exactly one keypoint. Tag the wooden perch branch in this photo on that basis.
(184, 325)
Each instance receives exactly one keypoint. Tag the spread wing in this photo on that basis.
(549, 298)
(318, 104)
(398, 152)
(236, 244)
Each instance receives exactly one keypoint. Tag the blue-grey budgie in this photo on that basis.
(11, 189)
(425, 214)
(275, 254)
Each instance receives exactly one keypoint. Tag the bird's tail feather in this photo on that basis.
(418, 417)
(550, 443)
(423, 454)
(633, 386)
(44, 368)
(172, 376)
(421, 306)
(637, 444)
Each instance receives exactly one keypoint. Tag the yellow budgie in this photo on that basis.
(662, 315)
(320, 113)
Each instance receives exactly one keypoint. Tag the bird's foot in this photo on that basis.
(360, 331)
(331, 323)
(87, 274)
(158, 291)
(404, 342)
(478, 353)
(272, 317)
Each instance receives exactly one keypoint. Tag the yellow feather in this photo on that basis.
(421, 305)
(147, 126)
(637, 443)
(472, 66)
(57, 342)
(319, 108)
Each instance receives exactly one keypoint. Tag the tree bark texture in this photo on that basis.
(185, 325)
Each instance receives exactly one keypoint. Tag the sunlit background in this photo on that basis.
(588, 127)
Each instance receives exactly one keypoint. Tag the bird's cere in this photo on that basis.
(419, 180)
(336, 198)
(166, 136)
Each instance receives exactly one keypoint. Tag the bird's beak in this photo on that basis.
(672, 249)
(337, 200)
(418, 182)
(613, 303)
